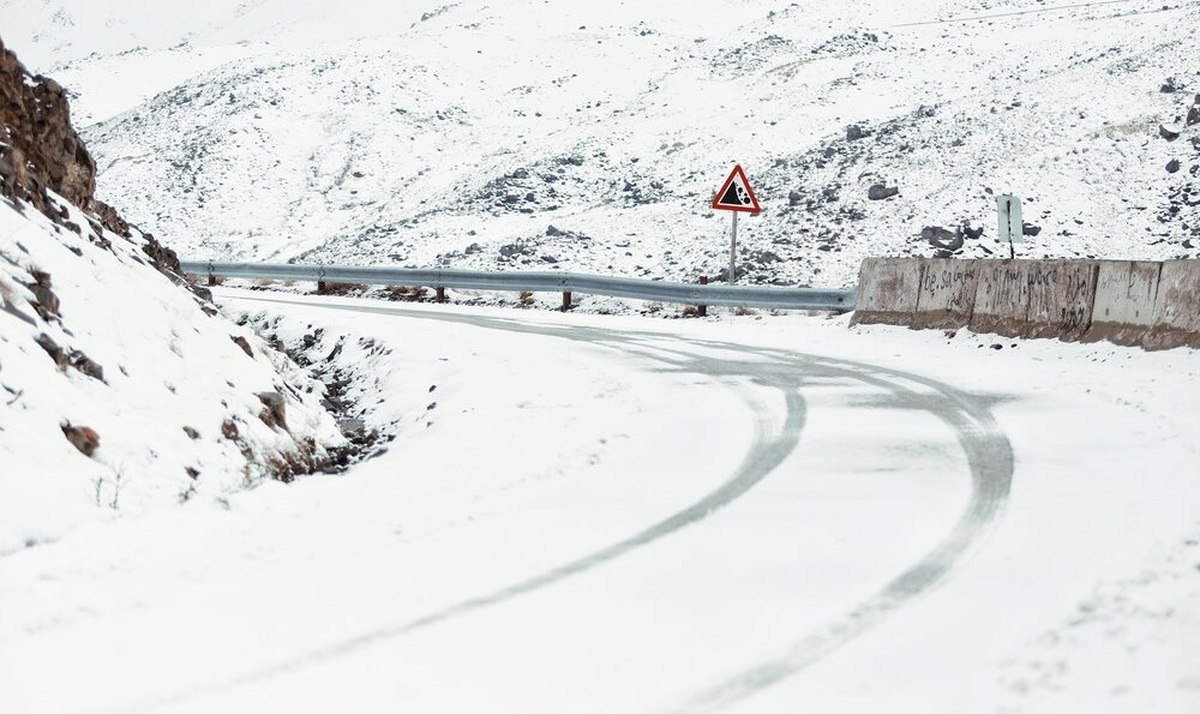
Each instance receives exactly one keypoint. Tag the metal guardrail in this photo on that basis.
(539, 281)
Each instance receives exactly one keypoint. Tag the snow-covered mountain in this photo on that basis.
(592, 137)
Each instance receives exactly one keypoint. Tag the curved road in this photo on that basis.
(987, 452)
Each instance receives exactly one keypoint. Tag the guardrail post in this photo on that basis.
(212, 277)
(566, 305)
(441, 294)
(321, 287)
(702, 310)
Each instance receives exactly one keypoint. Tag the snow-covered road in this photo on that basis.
(608, 514)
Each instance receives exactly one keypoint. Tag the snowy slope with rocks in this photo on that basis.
(552, 135)
(121, 388)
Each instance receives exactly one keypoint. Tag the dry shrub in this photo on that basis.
(344, 288)
(400, 293)
(526, 298)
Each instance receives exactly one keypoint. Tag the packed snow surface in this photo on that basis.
(592, 513)
(592, 136)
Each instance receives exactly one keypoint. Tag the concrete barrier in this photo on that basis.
(1176, 307)
(1061, 294)
(1155, 305)
(1126, 292)
(947, 294)
(887, 291)
(1001, 297)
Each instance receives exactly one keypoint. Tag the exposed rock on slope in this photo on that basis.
(40, 152)
(118, 389)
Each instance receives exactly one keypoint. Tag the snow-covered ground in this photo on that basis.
(592, 513)
(93, 337)
(591, 136)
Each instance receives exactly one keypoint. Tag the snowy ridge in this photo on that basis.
(94, 342)
(591, 139)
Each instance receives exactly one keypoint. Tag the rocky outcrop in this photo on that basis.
(40, 152)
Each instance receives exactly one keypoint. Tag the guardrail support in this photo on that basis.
(566, 300)
(321, 287)
(440, 293)
(702, 310)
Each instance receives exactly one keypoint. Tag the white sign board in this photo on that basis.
(1008, 209)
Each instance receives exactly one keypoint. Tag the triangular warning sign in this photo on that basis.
(736, 194)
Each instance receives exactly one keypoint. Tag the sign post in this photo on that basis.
(736, 196)
(1011, 228)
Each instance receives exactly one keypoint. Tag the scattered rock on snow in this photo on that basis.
(86, 365)
(83, 438)
(352, 427)
(942, 238)
(275, 412)
(1172, 166)
(794, 198)
(56, 353)
(241, 342)
(879, 192)
(1168, 87)
(854, 132)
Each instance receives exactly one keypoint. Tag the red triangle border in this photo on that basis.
(754, 206)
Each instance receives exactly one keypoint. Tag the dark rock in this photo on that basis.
(972, 233)
(1193, 116)
(48, 303)
(854, 132)
(275, 413)
(794, 198)
(1172, 166)
(241, 342)
(351, 427)
(879, 192)
(1030, 230)
(86, 365)
(830, 194)
(1169, 87)
(83, 438)
(192, 473)
(830, 152)
(1168, 132)
(552, 231)
(56, 353)
(192, 433)
(229, 430)
(942, 238)
(473, 249)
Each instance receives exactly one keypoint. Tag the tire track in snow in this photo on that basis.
(773, 442)
(990, 459)
(989, 456)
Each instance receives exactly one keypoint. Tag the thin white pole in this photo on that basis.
(733, 251)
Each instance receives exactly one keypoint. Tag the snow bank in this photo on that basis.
(97, 344)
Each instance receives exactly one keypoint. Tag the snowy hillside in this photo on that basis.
(118, 392)
(121, 386)
(534, 134)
